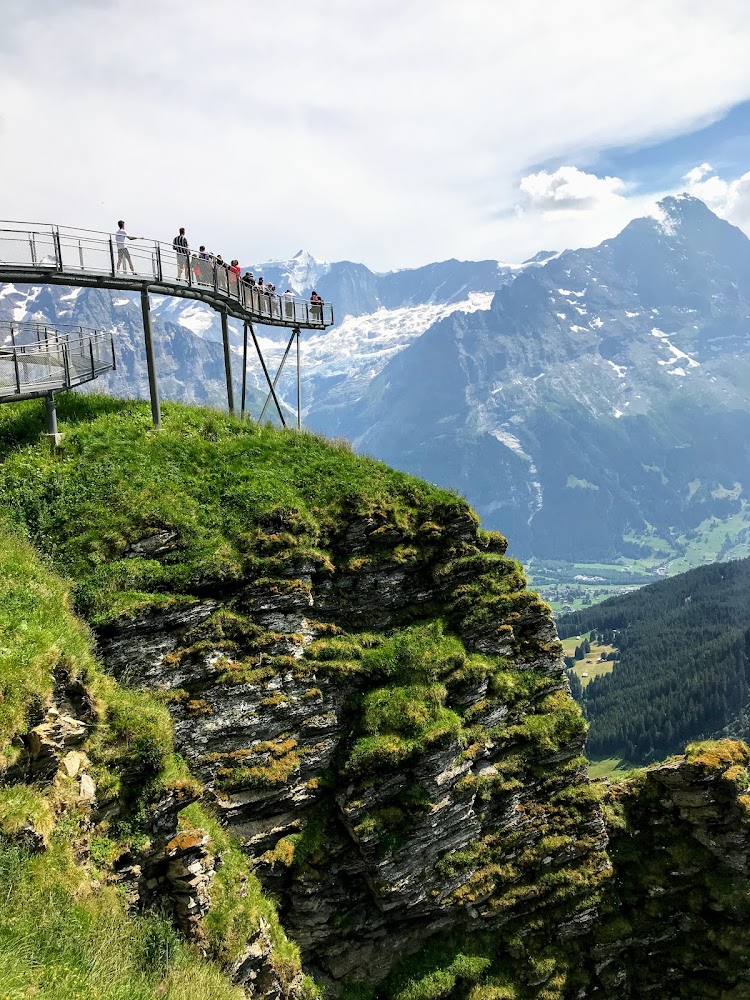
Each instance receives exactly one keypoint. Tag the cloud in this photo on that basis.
(697, 174)
(728, 198)
(568, 188)
(390, 132)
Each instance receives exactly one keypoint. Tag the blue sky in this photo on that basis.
(395, 133)
(724, 142)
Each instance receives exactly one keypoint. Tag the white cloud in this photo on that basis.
(728, 198)
(697, 174)
(394, 132)
(568, 188)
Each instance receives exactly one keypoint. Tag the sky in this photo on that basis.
(392, 133)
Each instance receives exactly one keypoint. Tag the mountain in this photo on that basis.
(682, 668)
(593, 403)
(599, 410)
(283, 722)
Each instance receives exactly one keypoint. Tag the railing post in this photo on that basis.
(111, 255)
(80, 256)
(18, 372)
(153, 386)
(227, 360)
(114, 356)
(58, 248)
(91, 353)
(159, 272)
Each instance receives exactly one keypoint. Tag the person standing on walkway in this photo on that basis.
(123, 254)
(182, 250)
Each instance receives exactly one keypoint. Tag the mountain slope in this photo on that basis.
(683, 669)
(599, 407)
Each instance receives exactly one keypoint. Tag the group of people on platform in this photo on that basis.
(210, 269)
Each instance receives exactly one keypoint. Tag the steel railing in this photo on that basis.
(36, 358)
(44, 246)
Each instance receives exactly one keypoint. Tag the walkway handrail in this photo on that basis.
(53, 361)
(64, 249)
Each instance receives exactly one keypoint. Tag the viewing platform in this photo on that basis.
(48, 254)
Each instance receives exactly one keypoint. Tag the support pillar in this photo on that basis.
(53, 435)
(153, 386)
(299, 384)
(227, 360)
(244, 372)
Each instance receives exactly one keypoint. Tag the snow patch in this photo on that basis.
(196, 318)
(631, 315)
(597, 323)
(120, 302)
(512, 442)
(676, 352)
(561, 315)
(618, 368)
(579, 329)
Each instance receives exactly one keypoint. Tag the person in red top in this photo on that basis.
(234, 275)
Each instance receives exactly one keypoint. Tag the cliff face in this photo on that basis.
(679, 909)
(393, 777)
(369, 724)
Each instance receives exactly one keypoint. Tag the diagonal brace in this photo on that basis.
(268, 377)
(278, 375)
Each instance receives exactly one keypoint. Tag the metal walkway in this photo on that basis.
(47, 254)
(36, 359)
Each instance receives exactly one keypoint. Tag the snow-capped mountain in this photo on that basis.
(592, 404)
(600, 407)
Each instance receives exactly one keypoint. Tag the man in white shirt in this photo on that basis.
(123, 254)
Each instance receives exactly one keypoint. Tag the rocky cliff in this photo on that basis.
(368, 723)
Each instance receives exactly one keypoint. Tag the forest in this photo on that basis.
(683, 663)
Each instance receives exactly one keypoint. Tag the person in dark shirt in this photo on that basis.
(316, 307)
(182, 250)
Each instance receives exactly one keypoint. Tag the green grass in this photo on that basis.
(63, 939)
(609, 767)
(117, 480)
(59, 918)
(37, 635)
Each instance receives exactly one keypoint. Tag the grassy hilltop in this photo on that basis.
(358, 680)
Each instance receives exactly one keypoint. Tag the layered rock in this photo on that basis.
(467, 807)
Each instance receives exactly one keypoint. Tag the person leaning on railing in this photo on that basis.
(316, 307)
(123, 254)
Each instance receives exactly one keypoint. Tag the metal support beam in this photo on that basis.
(268, 377)
(53, 435)
(275, 381)
(227, 360)
(244, 371)
(153, 386)
(299, 385)
(49, 401)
